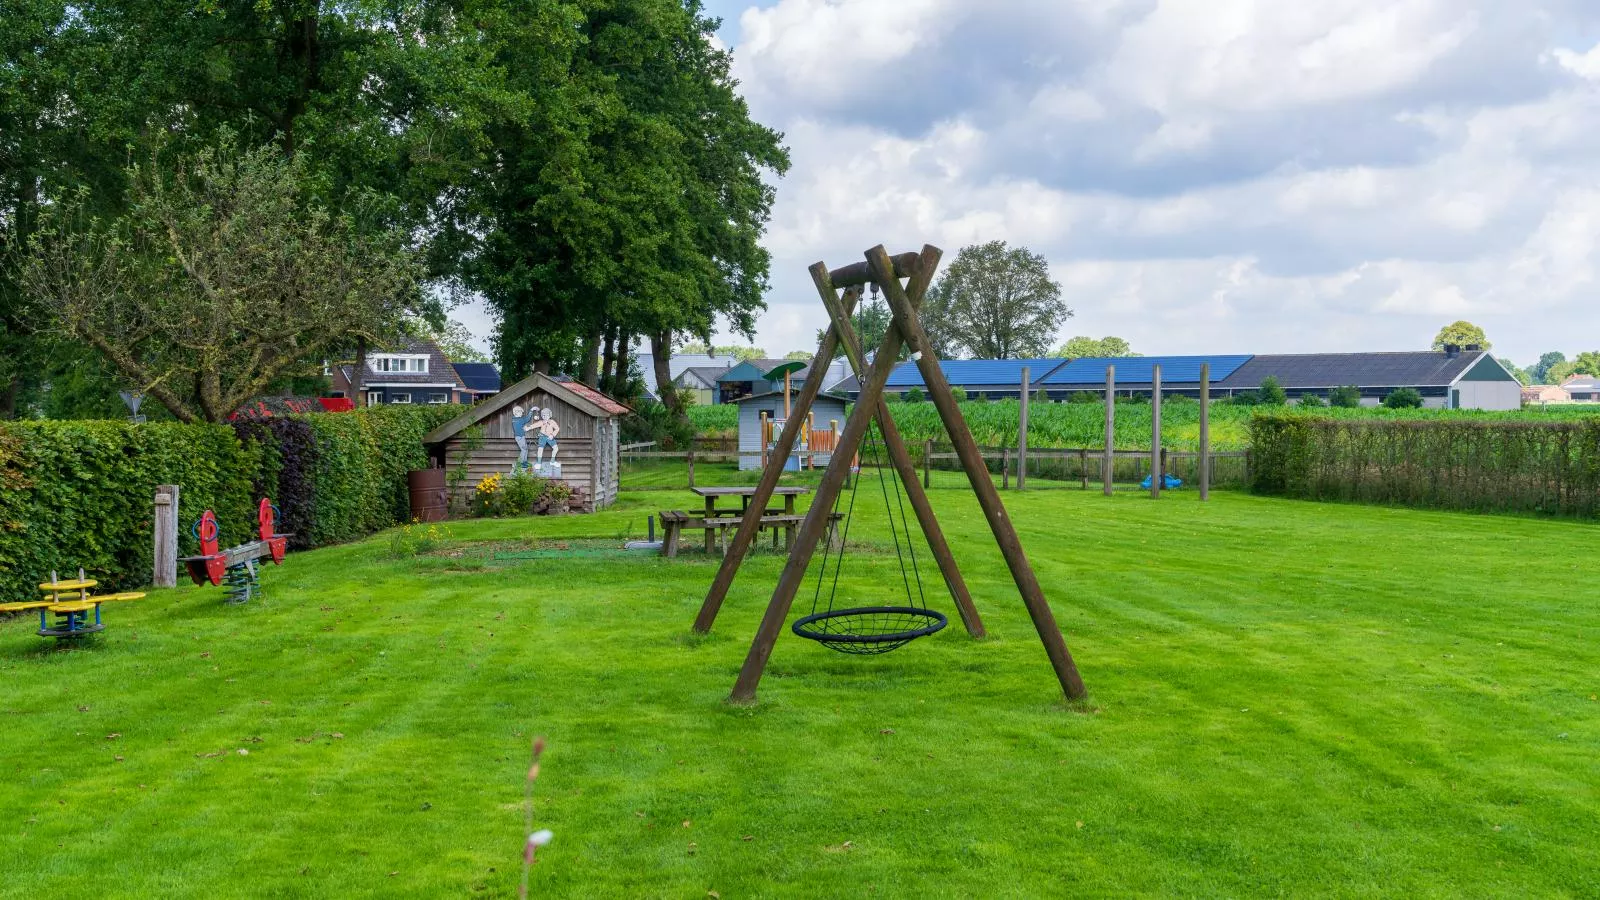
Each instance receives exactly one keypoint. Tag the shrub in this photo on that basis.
(1271, 392)
(1310, 401)
(1246, 398)
(1491, 465)
(913, 394)
(79, 494)
(1041, 396)
(1346, 397)
(1083, 397)
(652, 421)
(959, 392)
(1403, 398)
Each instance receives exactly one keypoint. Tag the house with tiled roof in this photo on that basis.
(419, 373)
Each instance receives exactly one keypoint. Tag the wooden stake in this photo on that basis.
(165, 572)
(816, 519)
(1111, 428)
(900, 456)
(927, 462)
(1155, 431)
(691, 467)
(1044, 621)
(1022, 434)
(751, 523)
(1205, 431)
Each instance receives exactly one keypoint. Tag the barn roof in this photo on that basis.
(963, 372)
(577, 394)
(1087, 370)
(1418, 368)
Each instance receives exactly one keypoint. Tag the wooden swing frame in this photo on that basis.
(905, 328)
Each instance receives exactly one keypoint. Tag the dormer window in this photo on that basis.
(413, 364)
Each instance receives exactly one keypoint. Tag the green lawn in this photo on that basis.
(1287, 699)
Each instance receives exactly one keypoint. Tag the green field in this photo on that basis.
(994, 422)
(1286, 699)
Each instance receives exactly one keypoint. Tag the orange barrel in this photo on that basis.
(430, 498)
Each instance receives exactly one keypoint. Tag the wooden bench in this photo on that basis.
(675, 521)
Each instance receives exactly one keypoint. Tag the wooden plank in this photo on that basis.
(1109, 465)
(165, 572)
(1205, 431)
(1155, 432)
(857, 274)
(1044, 620)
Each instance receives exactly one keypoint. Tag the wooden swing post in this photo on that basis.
(816, 519)
(1005, 534)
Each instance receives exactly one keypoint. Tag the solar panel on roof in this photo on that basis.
(976, 371)
(1140, 369)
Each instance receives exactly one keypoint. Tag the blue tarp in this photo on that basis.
(1169, 482)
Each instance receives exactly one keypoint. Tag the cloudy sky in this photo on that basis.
(1203, 175)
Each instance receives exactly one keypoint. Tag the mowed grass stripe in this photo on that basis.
(1288, 698)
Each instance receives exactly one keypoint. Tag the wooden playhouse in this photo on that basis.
(564, 430)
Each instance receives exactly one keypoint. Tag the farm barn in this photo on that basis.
(563, 430)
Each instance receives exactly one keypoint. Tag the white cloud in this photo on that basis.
(1205, 175)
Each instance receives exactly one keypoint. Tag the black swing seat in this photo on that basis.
(869, 629)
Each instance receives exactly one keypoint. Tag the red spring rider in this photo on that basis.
(210, 564)
(276, 543)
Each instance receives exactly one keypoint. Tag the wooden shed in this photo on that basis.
(563, 430)
(827, 414)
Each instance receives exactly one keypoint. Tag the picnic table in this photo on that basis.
(717, 519)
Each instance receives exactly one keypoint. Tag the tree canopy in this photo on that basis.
(995, 302)
(1461, 333)
(223, 276)
(1079, 347)
(1540, 371)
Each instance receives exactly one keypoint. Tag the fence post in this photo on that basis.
(1156, 470)
(691, 467)
(1005, 468)
(1022, 434)
(1205, 430)
(927, 462)
(1111, 428)
(166, 539)
(1083, 466)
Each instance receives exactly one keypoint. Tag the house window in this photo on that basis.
(400, 398)
(438, 398)
(414, 364)
(374, 398)
(337, 394)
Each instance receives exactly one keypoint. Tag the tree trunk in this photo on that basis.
(358, 374)
(608, 358)
(8, 397)
(619, 381)
(589, 372)
(661, 353)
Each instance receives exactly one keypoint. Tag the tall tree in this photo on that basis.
(220, 279)
(997, 302)
(632, 197)
(1079, 347)
(1516, 371)
(1461, 333)
(1541, 369)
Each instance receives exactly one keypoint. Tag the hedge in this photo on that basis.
(79, 493)
(1490, 464)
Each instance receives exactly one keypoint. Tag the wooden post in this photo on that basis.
(165, 573)
(905, 467)
(1205, 431)
(1005, 468)
(1111, 429)
(927, 462)
(691, 467)
(1022, 435)
(1083, 465)
(1005, 534)
(751, 523)
(816, 519)
(1155, 431)
(763, 431)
